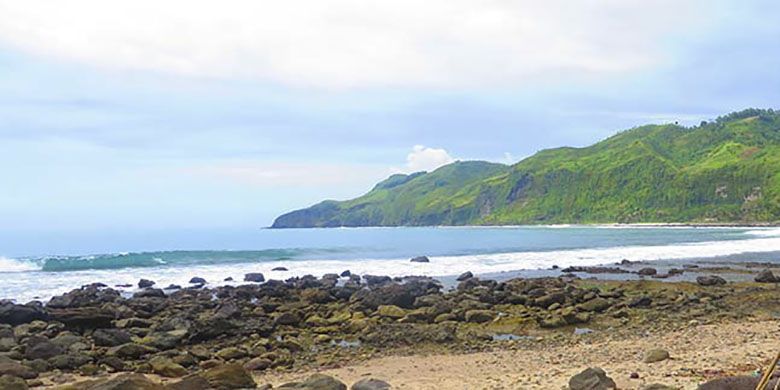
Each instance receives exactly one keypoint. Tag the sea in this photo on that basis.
(39, 267)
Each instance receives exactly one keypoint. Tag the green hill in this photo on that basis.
(724, 171)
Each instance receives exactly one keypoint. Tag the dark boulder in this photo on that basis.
(281, 269)
(346, 274)
(13, 314)
(316, 382)
(647, 271)
(85, 296)
(197, 280)
(420, 259)
(370, 384)
(42, 350)
(710, 280)
(17, 370)
(464, 276)
(145, 283)
(150, 293)
(110, 337)
(127, 382)
(735, 383)
(373, 280)
(592, 379)
(401, 295)
(255, 277)
(229, 376)
(8, 382)
(766, 276)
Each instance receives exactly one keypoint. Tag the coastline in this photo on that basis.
(595, 224)
(351, 327)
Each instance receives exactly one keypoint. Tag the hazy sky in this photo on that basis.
(166, 114)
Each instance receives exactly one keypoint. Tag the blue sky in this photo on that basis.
(146, 115)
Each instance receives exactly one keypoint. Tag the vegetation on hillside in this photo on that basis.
(727, 170)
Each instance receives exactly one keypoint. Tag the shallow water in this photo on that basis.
(38, 269)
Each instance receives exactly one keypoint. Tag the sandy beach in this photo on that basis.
(698, 352)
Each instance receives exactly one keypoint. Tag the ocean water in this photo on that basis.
(42, 267)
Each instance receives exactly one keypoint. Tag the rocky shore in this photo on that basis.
(275, 334)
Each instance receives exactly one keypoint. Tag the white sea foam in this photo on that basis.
(768, 232)
(25, 286)
(13, 265)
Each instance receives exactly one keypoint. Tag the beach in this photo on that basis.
(410, 332)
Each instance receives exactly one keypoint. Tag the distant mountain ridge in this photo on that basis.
(725, 171)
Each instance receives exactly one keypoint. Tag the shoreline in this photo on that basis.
(595, 224)
(276, 332)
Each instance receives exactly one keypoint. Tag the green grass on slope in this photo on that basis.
(724, 171)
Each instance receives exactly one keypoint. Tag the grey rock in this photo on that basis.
(710, 280)
(592, 379)
(370, 384)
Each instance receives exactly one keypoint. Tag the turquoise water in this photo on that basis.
(42, 266)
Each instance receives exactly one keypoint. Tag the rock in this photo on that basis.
(17, 370)
(192, 382)
(145, 283)
(228, 279)
(89, 317)
(130, 350)
(649, 271)
(547, 300)
(346, 274)
(710, 280)
(43, 350)
(734, 383)
(110, 337)
(279, 269)
(656, 355)
(172, 287)
(390, 311)
(464, 276)
(230, 353)
(197, 280)
(166, 367)
(658, 386)
(287, 318)
(229, 376)
(370, 384)
(8, 382)
(254, 277)
(401, 295)
(643, 301)
(592, 379)
(133, 323)
(69, 361)
(127, 382)
(766, 276)
(479, 316)
(420, 259)
(317, 382)
(554, 321)
(595, 305)
(150, 293)
(594, 270)
(675, 271)
(13, 314)
(258, 364)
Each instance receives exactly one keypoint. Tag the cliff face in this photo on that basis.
(724, 171)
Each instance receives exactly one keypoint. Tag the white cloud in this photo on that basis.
(422, 158)
(357, 43)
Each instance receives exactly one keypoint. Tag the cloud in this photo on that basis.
(422, 158)
(354, 43)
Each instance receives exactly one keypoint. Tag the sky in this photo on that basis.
(196, 114)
